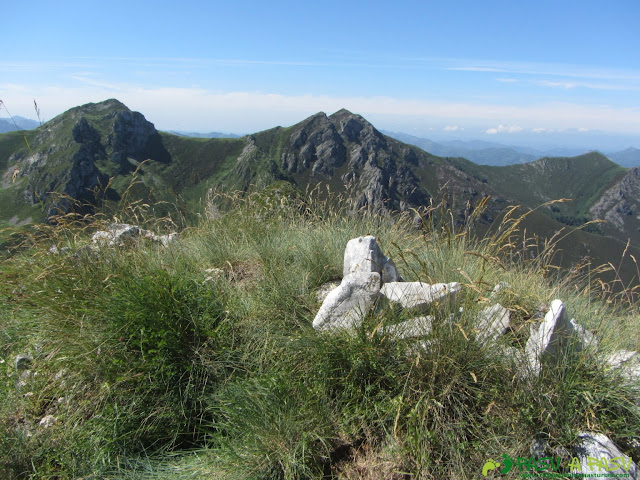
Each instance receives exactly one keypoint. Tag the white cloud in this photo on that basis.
(507, 80)
(453, 128)
(201, 109)
(504, 129)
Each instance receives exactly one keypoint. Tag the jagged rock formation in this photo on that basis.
(372, 165)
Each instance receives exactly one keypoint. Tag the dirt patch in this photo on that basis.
(365, 462)
(243, 272)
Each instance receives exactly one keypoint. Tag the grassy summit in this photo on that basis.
(198, 360)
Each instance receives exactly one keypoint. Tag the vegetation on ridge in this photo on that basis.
(198, 360)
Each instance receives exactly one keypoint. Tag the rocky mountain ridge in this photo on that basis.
(88, 154)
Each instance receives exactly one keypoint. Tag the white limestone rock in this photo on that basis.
(363, 255)
(347, 305)
(116, 234)
(555, 337)
(597, 454)
(48, 421)
(412, 328)
(418, 295)
(628, 362)
(119, 233)
(492, 323)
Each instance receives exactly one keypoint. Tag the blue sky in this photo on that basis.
(494, 70)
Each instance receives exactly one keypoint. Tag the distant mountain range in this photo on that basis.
(204, 135)
(489, 153)
(18, 123)
(629, 157)
(89, 153)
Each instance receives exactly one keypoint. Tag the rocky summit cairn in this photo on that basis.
(367, 276)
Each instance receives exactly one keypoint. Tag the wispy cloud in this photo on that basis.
(568, 85)
(504, 129)
(244, 111)
(543, 69)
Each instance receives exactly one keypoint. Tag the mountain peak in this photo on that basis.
(343, 112)
(100, 107)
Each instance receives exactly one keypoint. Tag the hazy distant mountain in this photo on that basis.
(8, 125)
(89, 153)
(485, 153)
(482, 153)
(204, 135)
(629, 157)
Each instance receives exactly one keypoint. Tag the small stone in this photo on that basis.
(23, 361)
(48, 421)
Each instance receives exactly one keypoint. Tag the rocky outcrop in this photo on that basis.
(120, 234)
(620, 204)
(64, 172)
(376, 171)
(85, 184)
(132, 136)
